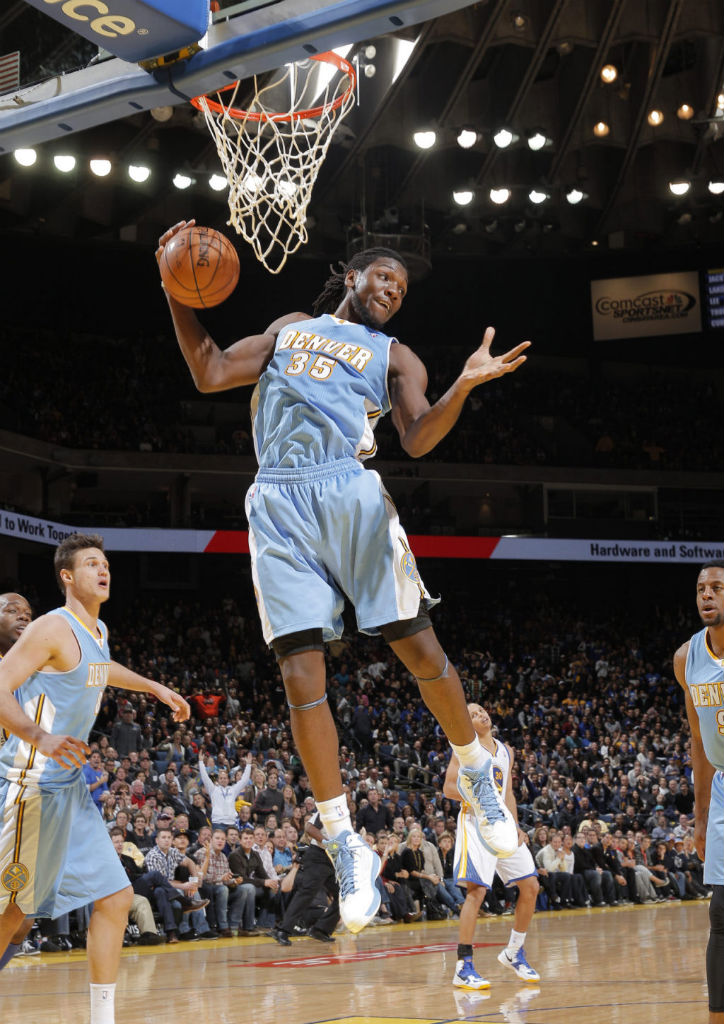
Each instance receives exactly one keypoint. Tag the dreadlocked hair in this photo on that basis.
(334, 288)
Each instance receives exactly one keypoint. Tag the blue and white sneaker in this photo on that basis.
(495, 824)
(467, 977)
(357, 867)
(519, 964)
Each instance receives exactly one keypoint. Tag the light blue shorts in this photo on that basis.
(714, 860)
(320, 535)
(55, 851)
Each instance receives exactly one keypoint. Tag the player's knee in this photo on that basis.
(530, 885)
(476, 895)
(716, 910)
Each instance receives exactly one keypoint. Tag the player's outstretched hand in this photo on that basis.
(482, 366)
(168, 235)
(179, 706)
(67, 751)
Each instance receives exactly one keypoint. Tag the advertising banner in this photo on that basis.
(640, 307)
(236, 542)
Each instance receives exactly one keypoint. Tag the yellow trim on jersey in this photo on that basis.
(98, 639)
(719, 661)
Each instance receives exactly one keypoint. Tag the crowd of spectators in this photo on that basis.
(142, 399)
(602, 772)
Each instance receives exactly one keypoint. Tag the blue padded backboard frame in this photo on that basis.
(252, 43)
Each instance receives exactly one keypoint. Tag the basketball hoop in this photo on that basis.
(272, 151)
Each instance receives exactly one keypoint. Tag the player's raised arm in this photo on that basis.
(125, 679)
(212, 368)
(422, 426)
(41, 645)
(702, 767)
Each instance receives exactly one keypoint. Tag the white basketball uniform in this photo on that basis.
(473, 863)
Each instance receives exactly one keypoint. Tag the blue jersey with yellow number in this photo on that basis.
(321, 395)
(705, 680)
(62, 703)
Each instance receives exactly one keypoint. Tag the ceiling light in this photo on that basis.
(685, 112)
(537, 140)
(680, 187)
(716, 187)
(500, 195)
(463, 197)
(601, 129)
(460, 228)
(467, 137)
(519, 20)
(161, 114)
(491, 226)
(503, 138)
(685, 218)
(139, 172)
(574, 196)
(64, 162)
(520, 225)
(100, 167)
(217, 182)
(655, 117)
(720, 101)
(182, 181)
(425, 139)
(564, 48)
(609, 73)
(594, 241)
(25, 157)
(536, 196)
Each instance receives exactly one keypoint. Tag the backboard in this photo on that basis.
(243, 40)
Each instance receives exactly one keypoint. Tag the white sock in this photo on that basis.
(102, 1000)
(472, 755)
(335, 815)
(516, 940)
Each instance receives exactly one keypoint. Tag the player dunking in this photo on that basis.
(322, 528)
(55, 852)
(475, 866)
(699, 668)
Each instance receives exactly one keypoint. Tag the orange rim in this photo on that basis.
(244, 115)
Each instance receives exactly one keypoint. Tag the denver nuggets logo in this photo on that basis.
(15, 877)
(409, 567)
(498, 777)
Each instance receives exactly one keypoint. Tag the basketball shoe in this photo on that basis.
(519, 964)
(467, 977)
(495, 824)
(357, 868)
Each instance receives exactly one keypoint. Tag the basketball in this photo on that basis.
(199, 267)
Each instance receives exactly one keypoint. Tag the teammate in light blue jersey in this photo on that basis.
(699, 668)
(55, 852)
(323, 530)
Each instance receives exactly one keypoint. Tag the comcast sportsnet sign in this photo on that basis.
(637, 307)
(132, 29)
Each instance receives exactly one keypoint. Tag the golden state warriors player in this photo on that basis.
(699, 668)
(55, 852)
(322, 529)
(475, 866)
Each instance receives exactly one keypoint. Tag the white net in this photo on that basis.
(271, 150)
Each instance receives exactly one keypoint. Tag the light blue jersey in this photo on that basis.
(55, 851)
(321, 395)
(64, 703)
(705, 680)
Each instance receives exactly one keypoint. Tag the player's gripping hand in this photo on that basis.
(180, 707)
(67, 751)
(168, 235)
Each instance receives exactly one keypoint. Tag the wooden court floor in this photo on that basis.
(644, 965)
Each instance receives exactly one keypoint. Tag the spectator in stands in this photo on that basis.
(223, 796)
(249, 876)
(126, 733)
(374, 815)
(96, 779)
(219, 887)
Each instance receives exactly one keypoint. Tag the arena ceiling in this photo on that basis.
(532, 67)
